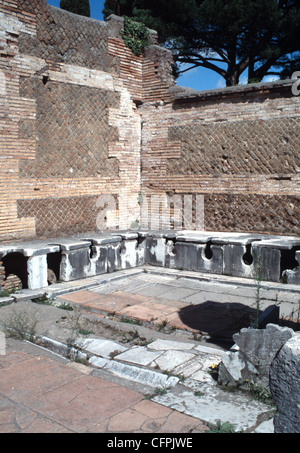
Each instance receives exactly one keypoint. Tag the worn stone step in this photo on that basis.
(211, 404)
(134, 373)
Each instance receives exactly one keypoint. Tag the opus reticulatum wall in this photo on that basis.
(95, 138)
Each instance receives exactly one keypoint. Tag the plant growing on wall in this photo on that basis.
(135, 35)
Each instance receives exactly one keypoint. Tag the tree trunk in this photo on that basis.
(251, 72)
(232, 75)
(232, 78)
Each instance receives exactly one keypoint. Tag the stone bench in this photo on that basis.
(263, 257)
(275, 256)
(195, 251)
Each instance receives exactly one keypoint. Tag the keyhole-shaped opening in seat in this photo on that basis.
(208, 251)
(247, 257)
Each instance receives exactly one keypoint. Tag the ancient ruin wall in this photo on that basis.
(70, 129)
(224, 160)
(93, 137)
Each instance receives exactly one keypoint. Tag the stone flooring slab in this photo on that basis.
(17, 418)
(44, 376)
(209, 405)
(213, 308)
(171, 359)
(154, 290)
(80, 404)
(225, 298)
(13, 358)
(149, 417)
(101, 347)
(177, 322)
(83, 296)
(148, 311)
(134, 373)
(178, 293)
(139, 356)
(111, 303)
(164, 345)
(186, 369)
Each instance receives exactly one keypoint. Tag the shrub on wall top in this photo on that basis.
(135, 35)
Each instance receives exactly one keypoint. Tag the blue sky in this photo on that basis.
(198, 78)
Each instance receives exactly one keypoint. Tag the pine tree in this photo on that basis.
(81, 7)
(228, 37)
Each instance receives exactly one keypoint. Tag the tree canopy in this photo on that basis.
(228, 37)
(81, 7)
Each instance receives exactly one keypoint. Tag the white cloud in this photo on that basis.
(243, 80)
(270, 78)
(220, 83)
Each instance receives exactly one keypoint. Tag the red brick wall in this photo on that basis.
(91, 132)
(238, 149)
(70, 129)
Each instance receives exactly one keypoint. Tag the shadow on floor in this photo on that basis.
(218, 320)
(291, 323)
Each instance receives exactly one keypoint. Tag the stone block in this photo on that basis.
(99, 260)
(131, 252)
(269, 316)
(193, 256)
(238, 258)
(139, 356)
(37, 269)
(293, 275)
(235, 263)
(252, 355)
(134, 373)
(104, 253)
(266, 263)
(75, 264)
(101, 347)
(275, 256)
(165, 345)
(171, 359)
(75, 260)
(285, 384)
(114, 257)
(155, 252)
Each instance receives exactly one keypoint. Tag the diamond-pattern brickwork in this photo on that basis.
(63, 37)
(61, 216)
(253, 213)
(83, 118)
(77, 117)
(239, 150)
(239, 147)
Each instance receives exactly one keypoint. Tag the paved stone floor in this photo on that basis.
(41, 395)
(214, 306)
(162, 384)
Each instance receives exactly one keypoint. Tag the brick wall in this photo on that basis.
(236, 150)
(70, 129)
(93, 137)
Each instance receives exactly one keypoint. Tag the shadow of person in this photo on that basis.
(218, 320)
